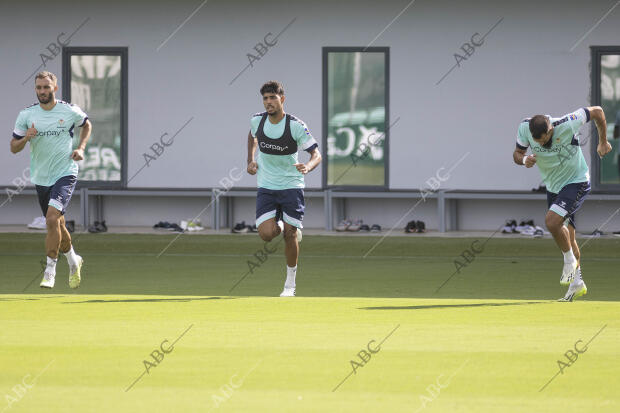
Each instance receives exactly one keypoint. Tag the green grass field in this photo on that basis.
(488, 341)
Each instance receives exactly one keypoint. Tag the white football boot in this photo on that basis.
(575, 291)
(288, 292)
(48, 280)
(568, 272)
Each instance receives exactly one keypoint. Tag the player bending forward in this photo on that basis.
(564, 171)
(280, 175)
(48, 126)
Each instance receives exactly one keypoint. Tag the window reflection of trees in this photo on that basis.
(96, 88)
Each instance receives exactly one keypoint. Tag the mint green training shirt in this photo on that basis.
(563, 163)
(277, 172)
(51, 148)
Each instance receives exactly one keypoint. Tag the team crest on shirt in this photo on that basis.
(557, 139)
(61, 123)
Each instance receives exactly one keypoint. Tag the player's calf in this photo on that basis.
(54, 235)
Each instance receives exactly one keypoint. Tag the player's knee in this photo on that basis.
(266, 233)
(52, 220)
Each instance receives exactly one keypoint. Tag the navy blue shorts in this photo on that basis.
(287, 202)
(568, 201)
(57, 195)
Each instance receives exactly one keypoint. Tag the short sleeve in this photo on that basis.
(578, 118)
(522, 141)
(21, 125)
(79, 117)
(302, 135)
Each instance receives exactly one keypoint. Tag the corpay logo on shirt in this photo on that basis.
(272, 146)
(50, 133)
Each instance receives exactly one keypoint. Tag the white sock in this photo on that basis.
(568, 256)
(51, 266)
(291, 272)
(71, 257)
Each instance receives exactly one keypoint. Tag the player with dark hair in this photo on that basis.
(280, 176)
(48, 126)
(555, 146)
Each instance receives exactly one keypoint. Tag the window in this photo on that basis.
(355, 116)
(606, 93)
(95, 79)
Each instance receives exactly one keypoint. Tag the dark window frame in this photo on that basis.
(595, 163)
(386, 147)
(123, 52)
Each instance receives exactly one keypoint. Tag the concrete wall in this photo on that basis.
(525, 66)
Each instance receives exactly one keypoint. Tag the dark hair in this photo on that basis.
(539, 124)
(44, 74)
(273, 86)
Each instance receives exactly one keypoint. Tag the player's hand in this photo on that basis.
(77, 154)
(530, 160)
(603, 148)
(252, 167)
(301, 167)
(31, 132)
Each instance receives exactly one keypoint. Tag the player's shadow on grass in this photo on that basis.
(432, 306)
(152, 300)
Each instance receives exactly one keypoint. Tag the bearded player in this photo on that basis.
(49, 127)
(280, 175)
(563, 168)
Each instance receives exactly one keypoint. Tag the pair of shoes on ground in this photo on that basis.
(75, 276)
(242, 228)
(191, 225)
(352, 226)
(511, 226)
(415, 227)
(167, 225)
(357, 226)
(524, 228)
(98, 227)
(373, 228)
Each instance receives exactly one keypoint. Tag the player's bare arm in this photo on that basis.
(598, 116)
(315, 160)
(78, 153)
(520, 158)
(18, 144)
(252, 144)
